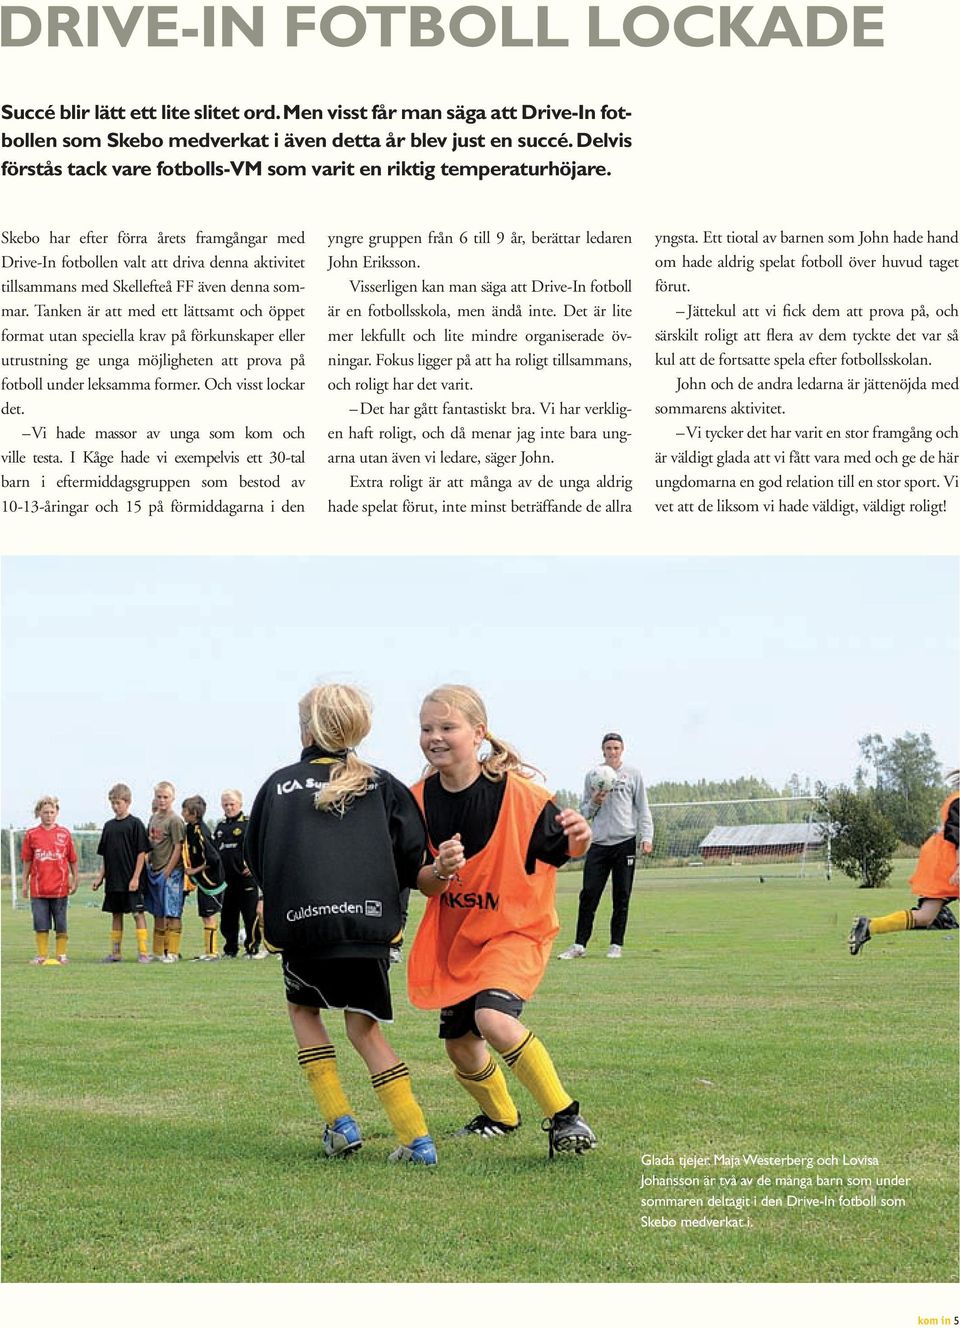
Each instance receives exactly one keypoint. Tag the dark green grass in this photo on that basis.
(157, 1128)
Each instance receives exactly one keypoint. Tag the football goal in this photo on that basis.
(742, 837)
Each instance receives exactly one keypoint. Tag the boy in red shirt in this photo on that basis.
(50, 876)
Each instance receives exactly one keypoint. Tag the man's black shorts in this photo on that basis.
(122, 901)
(458, 1020)
(339, 984)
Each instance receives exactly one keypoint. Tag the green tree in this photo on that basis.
(566, 798)
(913, 786)
(907, 784)
(861, 838)
(796, 787)
(872, 749)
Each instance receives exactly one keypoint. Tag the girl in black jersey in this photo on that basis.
(332, 842)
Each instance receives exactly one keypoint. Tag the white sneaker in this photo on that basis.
(574, 952)
(170, 959)
(615, 952)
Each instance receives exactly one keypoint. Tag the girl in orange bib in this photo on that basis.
(934, 880)
(495, 840)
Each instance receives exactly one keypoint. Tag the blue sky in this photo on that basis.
(189, 669)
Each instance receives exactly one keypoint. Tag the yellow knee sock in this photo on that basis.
(210, 940)
(61, 944)
(395, 1092)
(488, 1088)
(43, 943)
(173, 939)
(320, 1066)
(141, 940)
(116, 937)
(159, 942)
(899, 921)
(531, 1063)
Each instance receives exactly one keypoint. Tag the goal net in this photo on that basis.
(743, 837)
(12, 869)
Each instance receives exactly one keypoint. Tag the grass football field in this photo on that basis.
(157, 1127)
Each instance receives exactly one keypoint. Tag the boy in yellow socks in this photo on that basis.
(204, 869)
(163, 889)
(50, 862)
(123, 846)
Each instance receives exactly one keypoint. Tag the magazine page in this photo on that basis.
(602, 360)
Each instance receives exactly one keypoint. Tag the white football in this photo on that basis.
(602, 778)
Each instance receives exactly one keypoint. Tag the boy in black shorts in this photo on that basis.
(203, 868)
(123, 847)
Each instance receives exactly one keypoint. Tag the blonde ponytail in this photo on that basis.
(337, 717)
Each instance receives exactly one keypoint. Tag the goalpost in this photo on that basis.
(13, 857)
(741, 837)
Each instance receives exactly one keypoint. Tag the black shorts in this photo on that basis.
(946, 919)
(208, 904)
(122, 901)
(339, 984)
(458, 1020)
